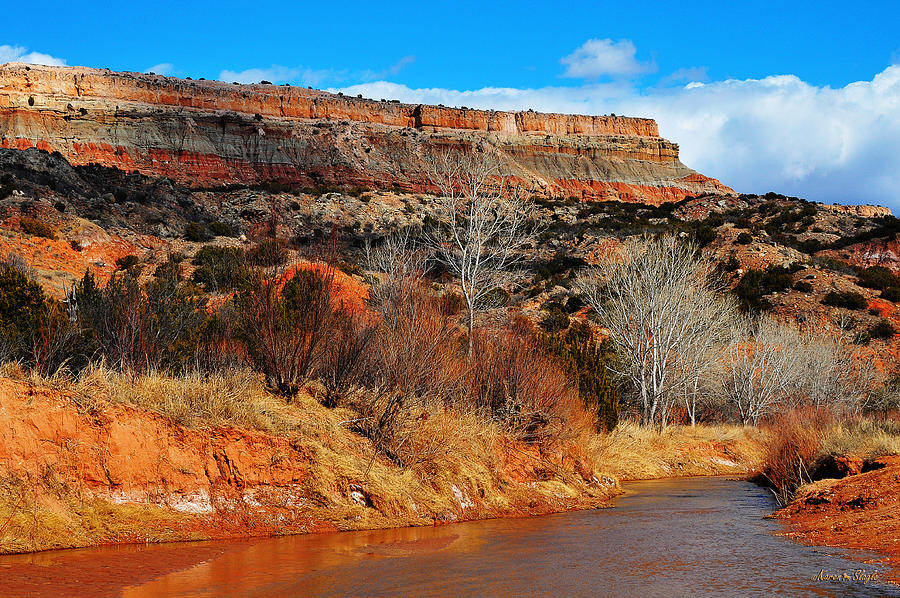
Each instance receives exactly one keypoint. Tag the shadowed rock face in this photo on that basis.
(207, 133)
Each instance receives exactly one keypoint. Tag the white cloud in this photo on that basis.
(778, 133)
(163, 68)
(20, 54)
(603, 57)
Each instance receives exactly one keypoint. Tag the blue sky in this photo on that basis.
(803, 100)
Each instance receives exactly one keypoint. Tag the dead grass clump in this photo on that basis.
(863, 437)
(40, 512)
(235, 398)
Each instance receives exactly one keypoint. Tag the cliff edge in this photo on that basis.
(210, 133)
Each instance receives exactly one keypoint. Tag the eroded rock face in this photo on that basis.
(864, 211)
(208, 133)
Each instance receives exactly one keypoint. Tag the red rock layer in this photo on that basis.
(207, 133)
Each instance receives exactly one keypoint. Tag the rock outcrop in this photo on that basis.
(863, 211)
(208, 133)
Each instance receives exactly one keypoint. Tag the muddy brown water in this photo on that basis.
(681, 537)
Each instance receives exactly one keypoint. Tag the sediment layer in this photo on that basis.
(208, 133)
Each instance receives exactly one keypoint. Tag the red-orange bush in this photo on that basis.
(791, 448)
(514, 381)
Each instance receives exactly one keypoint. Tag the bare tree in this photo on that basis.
(486, 224)
(658, 302)
(712, 321)
(762, 360)
(829, 372)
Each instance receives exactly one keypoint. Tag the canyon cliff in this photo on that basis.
(209, 133)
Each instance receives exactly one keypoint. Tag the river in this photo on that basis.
(681, 537)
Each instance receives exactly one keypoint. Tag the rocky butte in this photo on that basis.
(209, 133)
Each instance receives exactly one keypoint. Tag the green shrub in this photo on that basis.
(891, 294)
(877, 277)
(756, 284)
(221, 229)
(744, 239)
(882, 330)
(220, 269)
(196, 232)
(585, 362)
(495, 297)
(36, 228)
(126, 262)
(22, 309)
(845, 299)
(810, 246)
(803, 286)
(7, 186)
(704, 235)
(349, 269)
(267, 253)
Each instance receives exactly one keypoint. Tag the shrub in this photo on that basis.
(415, 361)
(496, 297)
(877, 277)
(196, 232)
(28, 319)
(220, 268)
(704, 235)
(343, 355)
(127, 262)
(267, 253)
(451, 303)
(584, 361)
(135, 328)
(221, 229)
(36, 228)
(514, 382)
(556, 319)
(755, 284)
(7, 186)
(803, 286)
(844, 299)
(810, 246)
(349, 269)
(285, 327)
(729, 265)
(60, 206)
(891, 294)
(882, 330)
(790, 451)
(744, 239)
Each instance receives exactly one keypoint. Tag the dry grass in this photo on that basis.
(862, 437)
(41, 513)
(633, 452)
(238, 398)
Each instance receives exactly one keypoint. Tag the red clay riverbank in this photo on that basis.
(860, 511)
(79, 474)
